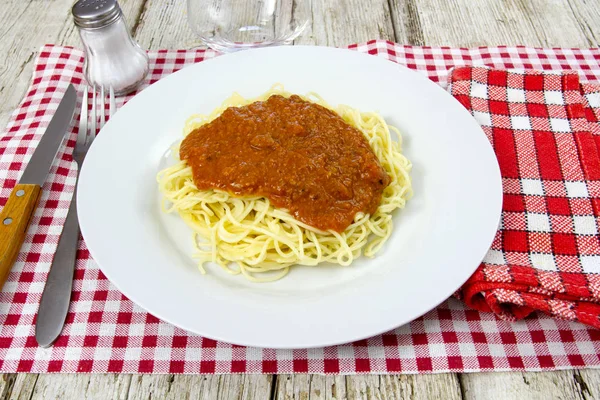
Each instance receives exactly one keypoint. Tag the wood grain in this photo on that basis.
(355, 387)
(163, 25)
(149, 387)
(588, 381)
(68, 386)
(521, 385)
(7, 382)
(414, 387)
(200, 387)
(407, 22)
(494, 22)
(310, 387)
(23, 387)
(421, 387)
(343, 22)
(587, 15)
(108, 386)
(14, 220)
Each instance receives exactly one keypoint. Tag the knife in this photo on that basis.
(23, 200)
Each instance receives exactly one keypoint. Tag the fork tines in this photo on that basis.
(92, 120)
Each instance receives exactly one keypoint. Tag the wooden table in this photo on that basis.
(27, 24)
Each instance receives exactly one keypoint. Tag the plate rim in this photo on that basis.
(81, 204)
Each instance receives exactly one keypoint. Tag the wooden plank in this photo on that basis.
(587, 15)
(176, 387)
(7, 382)
(494, 22)
(59, 386)
(149, 386)
(52, 387)
(22, 388)
(105, 386)
(363, 387)
(589, 383)
(186, 387)
(310, 387)
(555, 22)
(521, 385)
(407, 22)
(163, 25)
(343, 22)
(249, 387)
(70, 386)
(584, 384)
(366, 387)
(417, 387)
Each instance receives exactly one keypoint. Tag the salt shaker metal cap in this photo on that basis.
(112, 58)
(96, 13)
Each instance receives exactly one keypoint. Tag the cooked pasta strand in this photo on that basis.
(260, 239)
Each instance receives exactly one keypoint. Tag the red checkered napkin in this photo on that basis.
(546, 135)
(106, 332)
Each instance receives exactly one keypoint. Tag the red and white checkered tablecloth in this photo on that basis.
(545, 133)
(106, 332)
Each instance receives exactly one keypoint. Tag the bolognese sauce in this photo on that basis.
(301, 156)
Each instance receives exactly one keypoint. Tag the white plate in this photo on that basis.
(438, 241)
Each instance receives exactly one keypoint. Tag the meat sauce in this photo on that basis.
(301, 156)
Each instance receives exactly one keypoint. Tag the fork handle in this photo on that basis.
(14, 220)
(56, 296)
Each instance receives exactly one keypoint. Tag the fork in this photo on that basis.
(57, 292)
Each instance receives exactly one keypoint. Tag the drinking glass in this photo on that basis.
(230, 25)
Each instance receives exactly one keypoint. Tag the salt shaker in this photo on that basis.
(112, 57)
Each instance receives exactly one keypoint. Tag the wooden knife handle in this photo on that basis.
(14, 220)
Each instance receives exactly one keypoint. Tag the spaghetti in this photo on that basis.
(248, 235)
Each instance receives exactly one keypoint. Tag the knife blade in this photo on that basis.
(23, 200)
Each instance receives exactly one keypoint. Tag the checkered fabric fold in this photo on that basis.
(106, 332)
(545, 132)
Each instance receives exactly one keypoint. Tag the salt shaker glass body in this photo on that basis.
(230, 25)
(112, 57)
